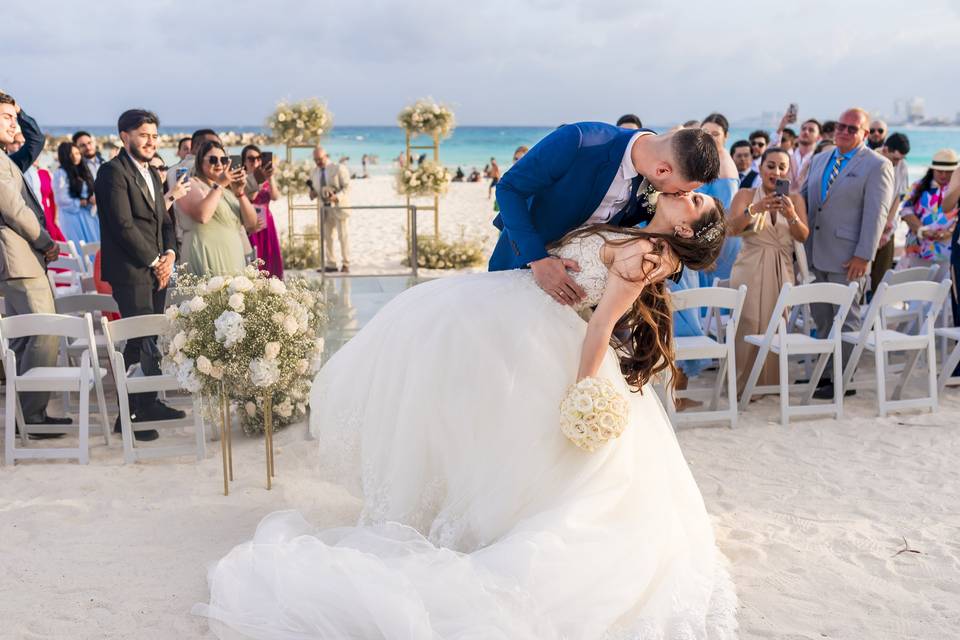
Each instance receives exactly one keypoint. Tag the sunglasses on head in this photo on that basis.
(849, 128)
(215, 160)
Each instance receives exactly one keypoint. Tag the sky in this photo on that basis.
(495, 62)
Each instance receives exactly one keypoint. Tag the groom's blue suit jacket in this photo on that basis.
(556, 187)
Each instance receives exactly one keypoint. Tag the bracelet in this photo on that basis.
(747, 212)
(794, 220)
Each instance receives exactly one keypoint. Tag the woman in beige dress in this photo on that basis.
(769, 225)
(217, 215)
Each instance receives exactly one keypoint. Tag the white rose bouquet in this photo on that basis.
(593, 412)
(253, 334)
(292, 177)
(426, 116)
(427, 179)
(300, 122)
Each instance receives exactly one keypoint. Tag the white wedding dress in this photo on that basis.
(481, 521)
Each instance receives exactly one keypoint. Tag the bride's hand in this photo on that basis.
(551, 276)
(647, 266)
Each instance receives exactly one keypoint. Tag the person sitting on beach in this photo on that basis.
(458, 176)
(474, 176)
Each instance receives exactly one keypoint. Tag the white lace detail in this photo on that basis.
(585, 250)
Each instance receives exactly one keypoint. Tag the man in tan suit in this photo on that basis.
(331, 183)
(25, 250)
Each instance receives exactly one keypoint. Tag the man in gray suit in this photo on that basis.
(25, 250)
(848, 191)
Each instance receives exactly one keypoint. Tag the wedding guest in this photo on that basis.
(137, 252)
(895, 149)
(494, 175)
(846, 226)
(156, 162)
(951, 199)
(828, 131)
(522, 151)
(262, 189)
(111, 150)
(759, 141)
(216, 212)
(723, 189)
(931, 226)
(183, 147)
(769, 225)
(459, 175)
(788, 137)
(742, 159)
(25, 250)
(74, 194)
(331, 184)
(88, 149)
(629, 121)
(41, 184)
(186, 164)
(878, 133)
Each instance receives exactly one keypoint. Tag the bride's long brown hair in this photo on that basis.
(643, 337)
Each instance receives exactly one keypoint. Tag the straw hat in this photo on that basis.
(945, 160)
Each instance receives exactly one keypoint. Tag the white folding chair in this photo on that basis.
(716, 320)
(125, 329)
(70, 281)
(705, 346)
(79, 379)
(894, 317)
(950, 362)
(96, 304)
(88, 252)
(782, 341)
(875, 337)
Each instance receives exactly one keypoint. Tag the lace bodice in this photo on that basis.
(592, 276)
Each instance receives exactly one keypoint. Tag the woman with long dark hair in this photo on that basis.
(480, 519)
(931, 224)
(262, 189)
(73, 193)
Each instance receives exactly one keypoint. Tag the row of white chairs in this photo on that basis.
(72, 272)
(80, 372)
(901, 318)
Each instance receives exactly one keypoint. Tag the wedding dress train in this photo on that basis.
(480, 520)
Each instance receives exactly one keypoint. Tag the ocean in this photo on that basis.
(470, 146)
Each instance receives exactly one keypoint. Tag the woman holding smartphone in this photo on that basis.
(262, 190)
(770, 220)
(217, 211)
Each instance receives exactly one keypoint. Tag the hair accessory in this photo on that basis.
(711, 232)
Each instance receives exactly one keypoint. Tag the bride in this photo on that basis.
(480, 519)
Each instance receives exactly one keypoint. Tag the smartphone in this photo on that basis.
(236, 162)
(266, 158)
(181, 172)
(261, 215)
(782, 188)
(792, 111)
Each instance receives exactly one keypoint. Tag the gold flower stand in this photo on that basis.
(226, 440)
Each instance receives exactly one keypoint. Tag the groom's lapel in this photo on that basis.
(605, 172)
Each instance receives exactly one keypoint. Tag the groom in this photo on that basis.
(591, 173)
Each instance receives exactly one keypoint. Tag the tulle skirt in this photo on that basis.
(480, 519)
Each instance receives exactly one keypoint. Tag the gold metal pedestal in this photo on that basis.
(226, 441)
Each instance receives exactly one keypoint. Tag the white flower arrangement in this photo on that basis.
(292, 177)
(593, 412)
(426, 116)
(252, 334)
(434, 253)
(300, 122)
(426, 179)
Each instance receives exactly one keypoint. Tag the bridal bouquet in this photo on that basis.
(427, 179)
(593, 412)
(292, 177)
(301, 122)
(426, 116)
(253, 334)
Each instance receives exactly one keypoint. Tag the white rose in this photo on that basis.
(197, 304)
(203, 364)
(185, 308)
(277, 286)
(264, 373)
(179, 357)
(179, 340)
(216, 371)
(252, 271)
(251, 409)
(284, 409)
(229, 328)
(236, 302)
(290, 325)
(241, 284)
(271, 350)
(172, 312)
(214, 284)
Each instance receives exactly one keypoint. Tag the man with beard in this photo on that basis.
(88, 149)
(137, 249)
(878, 133)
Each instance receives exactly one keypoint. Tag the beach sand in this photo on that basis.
(811, 516)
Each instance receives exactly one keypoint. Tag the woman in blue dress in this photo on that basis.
(73, 192)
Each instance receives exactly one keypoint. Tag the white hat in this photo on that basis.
(945, 160)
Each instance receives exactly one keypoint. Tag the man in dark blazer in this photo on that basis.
(137, 249)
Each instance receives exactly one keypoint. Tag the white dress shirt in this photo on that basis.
(619, 191)
(144, 170)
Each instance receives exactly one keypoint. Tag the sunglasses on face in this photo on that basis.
(215, 160)
(161, 167)
(253, 158)
(849, 128)
(877, 131)
(758, 143)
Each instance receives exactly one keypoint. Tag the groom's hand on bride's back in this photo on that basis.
(552, 276)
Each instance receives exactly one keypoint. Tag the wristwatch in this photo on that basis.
(794, 220)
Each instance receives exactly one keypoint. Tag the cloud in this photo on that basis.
(496, 62)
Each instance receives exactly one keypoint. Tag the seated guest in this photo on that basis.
(629, 121)
(216, 212)
(931, 226)
(25, 250)
(769, 225)
(73, 192)
(262, 189)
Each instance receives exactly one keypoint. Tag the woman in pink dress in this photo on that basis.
(262, 190)
(49, 204)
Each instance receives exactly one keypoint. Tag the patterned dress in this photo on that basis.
(928, 207)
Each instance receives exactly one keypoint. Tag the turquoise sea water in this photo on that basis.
(471, 147)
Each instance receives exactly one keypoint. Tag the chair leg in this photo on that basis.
(718, 384)
(815, 376)
(102, 406)
(784, 387)
(126, 430)
(84, 420)
(946, 372)
(838, 389)
(932, 375)
(752, 378)
(732, 390)
(879, 358)
(908, 368)
(10, 423)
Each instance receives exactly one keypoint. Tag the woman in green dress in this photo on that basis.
(217, 216)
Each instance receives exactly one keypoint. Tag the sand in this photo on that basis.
(812, 516)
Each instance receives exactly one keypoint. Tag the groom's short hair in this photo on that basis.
(697, 157)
